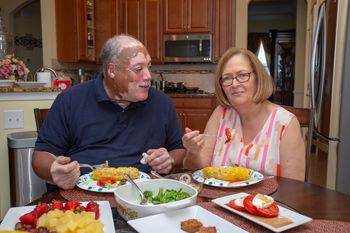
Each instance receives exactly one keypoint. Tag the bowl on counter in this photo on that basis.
(187, 179)
(128, 198)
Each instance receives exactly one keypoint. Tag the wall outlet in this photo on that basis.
(13, 119)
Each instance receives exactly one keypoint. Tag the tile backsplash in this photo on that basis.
(193, 75)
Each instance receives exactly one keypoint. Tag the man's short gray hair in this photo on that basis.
(111, 49)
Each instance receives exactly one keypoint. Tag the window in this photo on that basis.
(262, 57)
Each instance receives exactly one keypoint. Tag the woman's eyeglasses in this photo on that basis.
(241, 78)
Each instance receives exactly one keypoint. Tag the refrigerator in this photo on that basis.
(329, 89)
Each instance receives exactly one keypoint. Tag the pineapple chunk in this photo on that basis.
(62, 229)
(42, 221)
(72, 226)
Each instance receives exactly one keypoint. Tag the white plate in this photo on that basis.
(87, 183)
(13, 215)
(30, 84)
(256, 177)
(170, 222)
(6, 83)
(297, 218)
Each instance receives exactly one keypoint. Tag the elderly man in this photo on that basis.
(116, 117)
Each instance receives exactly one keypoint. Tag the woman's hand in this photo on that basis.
(192, 141)
(65, 174)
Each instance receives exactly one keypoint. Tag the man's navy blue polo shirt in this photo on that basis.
(85, 124)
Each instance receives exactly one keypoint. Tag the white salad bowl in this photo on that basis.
(128, 198)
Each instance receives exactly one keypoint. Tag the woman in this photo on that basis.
(267, 137)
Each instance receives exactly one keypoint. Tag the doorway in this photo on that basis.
(265, 17)
(26, 26)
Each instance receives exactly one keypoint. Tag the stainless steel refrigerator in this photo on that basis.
(329, 94)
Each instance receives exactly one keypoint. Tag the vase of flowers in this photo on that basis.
(12, 68)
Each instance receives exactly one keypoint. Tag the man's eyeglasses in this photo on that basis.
(241, 78)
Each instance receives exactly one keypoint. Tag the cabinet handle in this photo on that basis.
(188, 27)
(184, 114)
(180, 114)
(216, 56)
(184, 27)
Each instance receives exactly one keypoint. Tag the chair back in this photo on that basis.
(40, 115)
(305, 117)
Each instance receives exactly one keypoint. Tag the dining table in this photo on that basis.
(329, 209)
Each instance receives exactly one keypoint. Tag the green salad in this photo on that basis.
(170, 195)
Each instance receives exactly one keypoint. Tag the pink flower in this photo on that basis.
(22, 64)
(20, 71)
(14, 60)
(5, 70)
(8, 56)
(6, 62)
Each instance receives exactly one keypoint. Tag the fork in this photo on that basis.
(94, 167)
(212, 135)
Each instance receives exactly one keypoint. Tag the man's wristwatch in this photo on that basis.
(172, 161)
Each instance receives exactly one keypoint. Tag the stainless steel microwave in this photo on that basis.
(187, 48)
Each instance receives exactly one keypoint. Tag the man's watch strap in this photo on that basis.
(172, 161)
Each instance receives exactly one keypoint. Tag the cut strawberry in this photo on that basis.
(27, 219)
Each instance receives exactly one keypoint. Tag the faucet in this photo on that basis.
(46, 68)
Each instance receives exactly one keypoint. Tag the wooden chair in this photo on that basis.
(40, 115)
(306, 119)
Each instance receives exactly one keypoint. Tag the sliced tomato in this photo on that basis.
(234, 206)
(228, 135)
(102, 182)
(269, 212)
(248, 205)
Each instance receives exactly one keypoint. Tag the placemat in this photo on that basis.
(312, 226)
(81, 195)
(266, 187)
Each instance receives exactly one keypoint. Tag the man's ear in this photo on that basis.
(111, 69)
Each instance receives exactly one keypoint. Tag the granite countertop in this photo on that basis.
(209, 95)
(30, 89)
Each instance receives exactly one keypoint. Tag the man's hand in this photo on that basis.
(159, 160)
(65, 174)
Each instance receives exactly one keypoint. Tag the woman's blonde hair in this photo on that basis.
(264, 82)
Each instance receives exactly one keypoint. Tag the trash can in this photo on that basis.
(25, 186)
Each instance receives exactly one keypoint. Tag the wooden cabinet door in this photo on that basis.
(183, 16)
(223, 29)
(175, 16)
(195, 119)
(82, 30)
(105, 19)
(71, 30)
(153, 29)
(199, 15)
(133, 18)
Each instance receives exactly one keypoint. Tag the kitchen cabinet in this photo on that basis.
(187, 16)
(142, 19)
(223, 27)
(282, 65)
(194, 113)
(82, 27)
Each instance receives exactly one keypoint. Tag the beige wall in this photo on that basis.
(29, 125)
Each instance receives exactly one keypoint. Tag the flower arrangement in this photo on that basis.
(12, 68)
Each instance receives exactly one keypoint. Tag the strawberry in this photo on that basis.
(71, 205)
(96, 210)
(27, 219)
(41, 208)
(91, 204)
(35, 222)
(57, 205)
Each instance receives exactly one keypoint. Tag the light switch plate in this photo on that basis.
(13, 119)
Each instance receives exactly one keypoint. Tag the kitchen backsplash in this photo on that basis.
(193, 75)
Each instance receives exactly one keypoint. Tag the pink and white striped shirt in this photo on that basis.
(261, 154)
